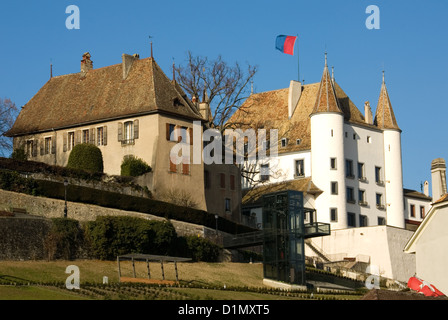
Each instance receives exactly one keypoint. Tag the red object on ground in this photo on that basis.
(424, 287)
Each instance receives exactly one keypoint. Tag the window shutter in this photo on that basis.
(41, 147)
(178, 133)
(35, 148)
(185, 167)
(77, 137)
(190, 131)
(92, 136)
(120, 131)
(173, 167)
(53, 145)
(105, 135)
(168, 131)
(64, 142)
(222, 178)
(135, 129)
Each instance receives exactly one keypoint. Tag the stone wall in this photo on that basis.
(53, 208)
(23, 238)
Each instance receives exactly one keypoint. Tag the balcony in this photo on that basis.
(316, 229)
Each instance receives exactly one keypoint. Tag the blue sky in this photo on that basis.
(411, 45)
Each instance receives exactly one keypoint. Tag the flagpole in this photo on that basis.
(298, 59)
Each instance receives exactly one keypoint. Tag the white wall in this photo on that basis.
(383, 244)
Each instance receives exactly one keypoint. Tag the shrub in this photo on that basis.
(19, 154)
(201, 249)
(64, 239)
(133, 166)
(112, 236)
(13, 181)
(86, 157)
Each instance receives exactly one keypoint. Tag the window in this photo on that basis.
(378, 175)
(170, 135)
(333, 163)
(369, 139)
(284, 142)
(264, 172)
(85, 136)
(362, 197)
(363, 221)
(361, 171)
(331, 132)
(222, 180)
(298, 141)
(232, 182)
(350, 195)
(47, 145)
(349, 169)
(70, 140)
(412, 211)
(299, 168)
(351, 219)
(379, 201)
(334, 187)
(101, 136)
(422, 212)
(31, 148)
(354, 136)
(381, 221)
(128, 133)
(333, 214)
(227, 205)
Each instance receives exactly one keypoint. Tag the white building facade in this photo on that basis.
(354, 159)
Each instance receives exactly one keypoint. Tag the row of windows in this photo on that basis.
(362, 198)
(221, 177)
(361, 170)
(127, 133)
(351, 218)
(299, 170)
(412, 211)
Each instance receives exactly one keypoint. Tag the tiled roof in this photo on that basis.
(254, 196)
(269, 110)
(326, 96)
(101, 95)
(385, 117)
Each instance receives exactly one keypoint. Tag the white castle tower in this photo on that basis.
(327, 153)
(393, 172)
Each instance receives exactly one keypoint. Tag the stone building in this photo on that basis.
(130, 108)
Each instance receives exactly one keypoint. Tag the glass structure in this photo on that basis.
(284, 237)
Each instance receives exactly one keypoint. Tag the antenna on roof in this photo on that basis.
(150, 37)
(51, 68)
(383, 78)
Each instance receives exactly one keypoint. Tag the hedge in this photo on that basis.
(120, 201)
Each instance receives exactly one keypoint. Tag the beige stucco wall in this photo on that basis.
(431, 251)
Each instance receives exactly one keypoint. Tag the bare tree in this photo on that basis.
(225, 86)
(8, 114)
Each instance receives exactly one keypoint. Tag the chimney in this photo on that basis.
(438, 177)
(368, 113)
(295, 91)
(86, 63)
(127, 61)
(426, 188)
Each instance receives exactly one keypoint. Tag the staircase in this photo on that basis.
(319, 253)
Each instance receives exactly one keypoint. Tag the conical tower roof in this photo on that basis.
(326, 97)
(385, 117)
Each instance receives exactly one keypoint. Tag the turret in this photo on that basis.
(327, 154)
(393, 171)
